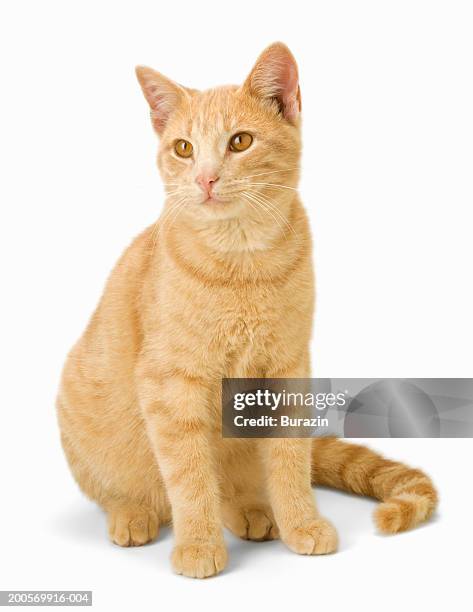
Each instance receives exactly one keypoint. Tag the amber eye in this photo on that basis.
(183, 148)
(240, 142)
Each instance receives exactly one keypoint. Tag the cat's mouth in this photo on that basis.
(212, 199)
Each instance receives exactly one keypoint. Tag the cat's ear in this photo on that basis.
(275, 77)
(162, 94)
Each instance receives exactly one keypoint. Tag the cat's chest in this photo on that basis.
(245, 317)
(242, 333)
(230, 328)
(237, 324)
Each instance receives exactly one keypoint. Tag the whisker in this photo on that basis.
(275, 185)
(153, 232)
(255, 208)
(178, 209)
(161, 222)
(271, 205)
(175, 191)
(266, 209)
(278, 212)
(270, 172)
(256, 205)
(174, 207)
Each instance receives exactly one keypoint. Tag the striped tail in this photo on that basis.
(408, 495)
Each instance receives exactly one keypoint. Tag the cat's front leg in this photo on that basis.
(175, 410)
(288, 475)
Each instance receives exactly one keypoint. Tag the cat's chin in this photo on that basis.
(214, 209)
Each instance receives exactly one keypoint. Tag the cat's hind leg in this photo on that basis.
(250, 520)
(246, 508)
(132, 525)
(246, 511)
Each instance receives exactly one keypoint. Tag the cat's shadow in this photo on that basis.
(351, 514)
(85, 523)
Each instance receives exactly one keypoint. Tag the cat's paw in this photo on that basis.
(252, 523)
(314, 537)
(130, 526)
(199, 560)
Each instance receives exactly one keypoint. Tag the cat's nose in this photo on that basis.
(206, 181)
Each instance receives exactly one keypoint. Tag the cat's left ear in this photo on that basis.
(162, 94)
(275, 77)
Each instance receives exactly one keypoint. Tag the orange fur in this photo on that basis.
(215, 289)
(407, 494)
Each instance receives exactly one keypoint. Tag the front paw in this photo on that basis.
(199, 560)
(313, 537)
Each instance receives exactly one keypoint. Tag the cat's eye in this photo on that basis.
(240, 142)
(183, 148)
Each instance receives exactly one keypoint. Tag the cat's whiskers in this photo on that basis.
(175, 192)
(274, 185)
(153, 232)
(178, 210)
(158, 227)
(173, 208)
(270, 204)
(253, 206)
(251, 198)
(269, 172)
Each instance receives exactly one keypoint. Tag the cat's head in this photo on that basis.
(229, 151)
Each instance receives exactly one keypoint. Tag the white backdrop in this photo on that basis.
(388, 130)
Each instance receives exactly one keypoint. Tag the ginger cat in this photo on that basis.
(221, 286)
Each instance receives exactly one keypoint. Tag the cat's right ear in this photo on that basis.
(162, 94)
(275, 77)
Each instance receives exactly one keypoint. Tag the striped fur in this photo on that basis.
(408, 496)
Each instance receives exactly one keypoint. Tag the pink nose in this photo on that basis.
(206, 182)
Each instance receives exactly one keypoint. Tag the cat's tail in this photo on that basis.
(408, 496)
